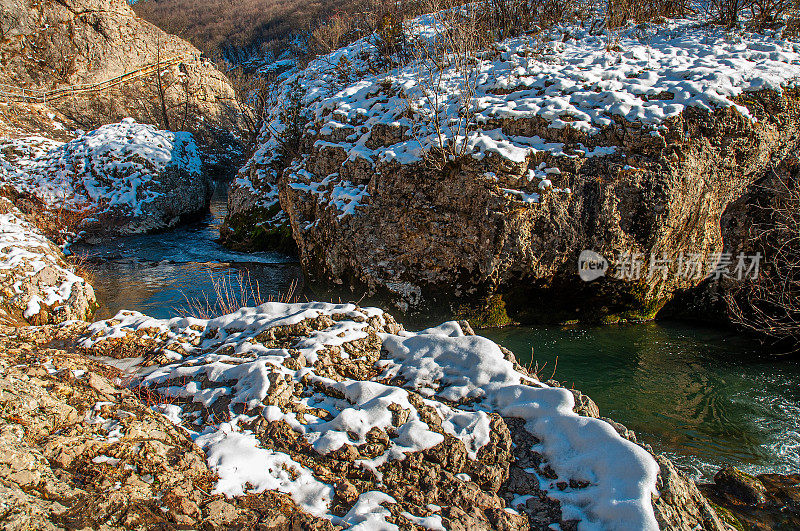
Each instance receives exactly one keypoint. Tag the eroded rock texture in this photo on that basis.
(37, 285)
(50, 45)
(309, 389)
(631, 163)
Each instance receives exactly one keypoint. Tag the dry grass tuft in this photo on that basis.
(231, 293)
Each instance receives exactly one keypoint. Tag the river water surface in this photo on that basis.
(706, 397)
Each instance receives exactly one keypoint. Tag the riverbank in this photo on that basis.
(182, 347)
(706, 397)
(459, 470)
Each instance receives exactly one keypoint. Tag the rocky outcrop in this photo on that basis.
(371, 427)
(124, 178)
(50, 45)
(640, 173)
(763, 502)
(37, 286)
(78, 451)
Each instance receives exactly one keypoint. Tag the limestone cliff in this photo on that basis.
(85, 64)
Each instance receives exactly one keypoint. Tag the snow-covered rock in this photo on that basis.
(36, 285)
(571, 146)
(121, 178)
(374, 427)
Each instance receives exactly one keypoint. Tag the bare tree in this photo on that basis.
(160, 88)
(447, 65)
(255, 92)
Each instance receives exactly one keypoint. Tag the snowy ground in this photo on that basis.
(34, 275)
(282, 361)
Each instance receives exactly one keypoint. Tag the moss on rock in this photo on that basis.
(491, 314)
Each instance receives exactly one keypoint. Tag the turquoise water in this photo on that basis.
(704, 396)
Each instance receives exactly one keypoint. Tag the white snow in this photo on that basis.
(240, 462)
(24, 253)
(368, 513)
(463, 379)
(571, 82)
(433, 522)
(455, 367)
(109, 167)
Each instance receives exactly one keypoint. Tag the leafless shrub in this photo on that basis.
(332, 34)
(758, 14)
(294, 117)
(768, 13)
(447, 65)
(770, 304)
(620, 12)
(509, 18)
(242, 28)
(792, 29)
(724, 12)
(255, 93)
(82, 267)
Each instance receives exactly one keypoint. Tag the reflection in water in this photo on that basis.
(701, 395)
(162, 289)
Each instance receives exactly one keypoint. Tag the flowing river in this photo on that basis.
(706, 397)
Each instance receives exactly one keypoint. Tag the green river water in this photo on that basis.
(706, 397)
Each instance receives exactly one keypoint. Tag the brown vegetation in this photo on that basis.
(770, 304)
(236, 29)
(230, 294)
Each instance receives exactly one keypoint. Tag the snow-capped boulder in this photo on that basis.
(122, 178)
(362, 422)
(630, 153)
(37, 286)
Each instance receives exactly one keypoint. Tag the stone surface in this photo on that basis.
(53, 44)
(467, 493)
(37, 285)
(741, 485)
(762, 502)
(425, 234)
(77, 451)
(122, 178)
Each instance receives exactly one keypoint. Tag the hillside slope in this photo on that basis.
(217, 26)
(56, 53)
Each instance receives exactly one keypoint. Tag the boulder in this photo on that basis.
(553, 164)
(37, 286)
(361, 422)
(124, 178)
(761, 502)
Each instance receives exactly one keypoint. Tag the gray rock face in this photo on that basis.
(679, 504)
(37, 286)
